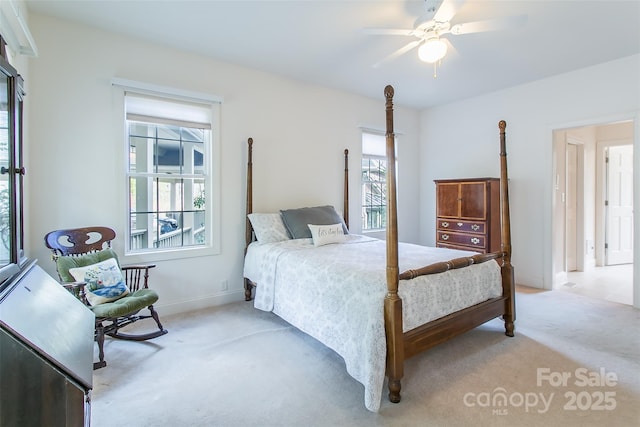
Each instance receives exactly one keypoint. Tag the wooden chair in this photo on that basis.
(89, 268)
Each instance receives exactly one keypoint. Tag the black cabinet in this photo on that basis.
(46, 353)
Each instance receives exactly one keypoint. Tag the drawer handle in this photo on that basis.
(475, 240)
(460, 224)
(445, 224)
(475, 227)
(445, 237)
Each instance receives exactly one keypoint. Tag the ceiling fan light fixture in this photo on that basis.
(432, 50)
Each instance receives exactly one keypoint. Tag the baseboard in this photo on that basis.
(200, 303)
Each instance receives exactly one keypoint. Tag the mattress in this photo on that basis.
(335, 293)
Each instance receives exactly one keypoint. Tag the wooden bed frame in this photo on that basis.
(402, 345)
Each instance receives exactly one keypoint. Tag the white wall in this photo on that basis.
(76, 154)
(467, 132)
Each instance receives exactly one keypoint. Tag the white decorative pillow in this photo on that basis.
(268, 227)
(325, 234)
(104, 281)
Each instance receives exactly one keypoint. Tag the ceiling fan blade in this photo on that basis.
(489, 25)
(404, 49)
(387, 31)
(451, 49)
(447, 10)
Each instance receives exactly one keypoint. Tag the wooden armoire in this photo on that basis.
(468, 214)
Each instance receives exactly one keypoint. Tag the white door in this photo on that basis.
(619, 222)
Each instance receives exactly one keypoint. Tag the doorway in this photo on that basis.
(592, 221)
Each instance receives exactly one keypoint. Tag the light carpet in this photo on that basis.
(575, 361)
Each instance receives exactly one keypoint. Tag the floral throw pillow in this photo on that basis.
(268, 227)
(104, 281)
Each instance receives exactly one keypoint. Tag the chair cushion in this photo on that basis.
(65, 263)
(104, 281)
(129, 304)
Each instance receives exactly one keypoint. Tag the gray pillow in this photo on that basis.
(296, 220)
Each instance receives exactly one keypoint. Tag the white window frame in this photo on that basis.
(371, 152)
(212, 178)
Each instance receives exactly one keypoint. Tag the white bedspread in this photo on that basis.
(335, 293)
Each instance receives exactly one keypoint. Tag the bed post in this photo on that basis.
(345, 201)
(508, 281)
(392, 302)
(248, 230)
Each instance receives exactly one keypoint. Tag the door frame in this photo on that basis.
(580, 245)
(562, 139)
(549, 277)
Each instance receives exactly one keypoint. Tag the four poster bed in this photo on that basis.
(375, 302)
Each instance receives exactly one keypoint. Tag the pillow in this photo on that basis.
(297, 220)
(325, 234)
(65, 263)
(268, 227)
(104, 281)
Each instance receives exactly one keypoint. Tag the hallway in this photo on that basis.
(612, 283)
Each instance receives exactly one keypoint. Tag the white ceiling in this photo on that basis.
(322, 42)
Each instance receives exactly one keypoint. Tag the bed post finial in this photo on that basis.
(388, 92)
(508, 277)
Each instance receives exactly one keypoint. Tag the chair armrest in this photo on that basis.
(137, 266)
(77, 289)
(137, 276)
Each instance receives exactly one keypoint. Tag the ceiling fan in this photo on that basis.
(429, 28)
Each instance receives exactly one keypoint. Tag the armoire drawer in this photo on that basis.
(461, 248)
(457, 225)
(465, 239)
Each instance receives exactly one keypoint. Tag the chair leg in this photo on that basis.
(100, 341)
(114, 330)
(155, 316)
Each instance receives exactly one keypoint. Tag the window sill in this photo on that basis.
(378, 234)
(168, 254)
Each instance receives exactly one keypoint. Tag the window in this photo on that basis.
(12, 254)
(374, 182)
(169, 179)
